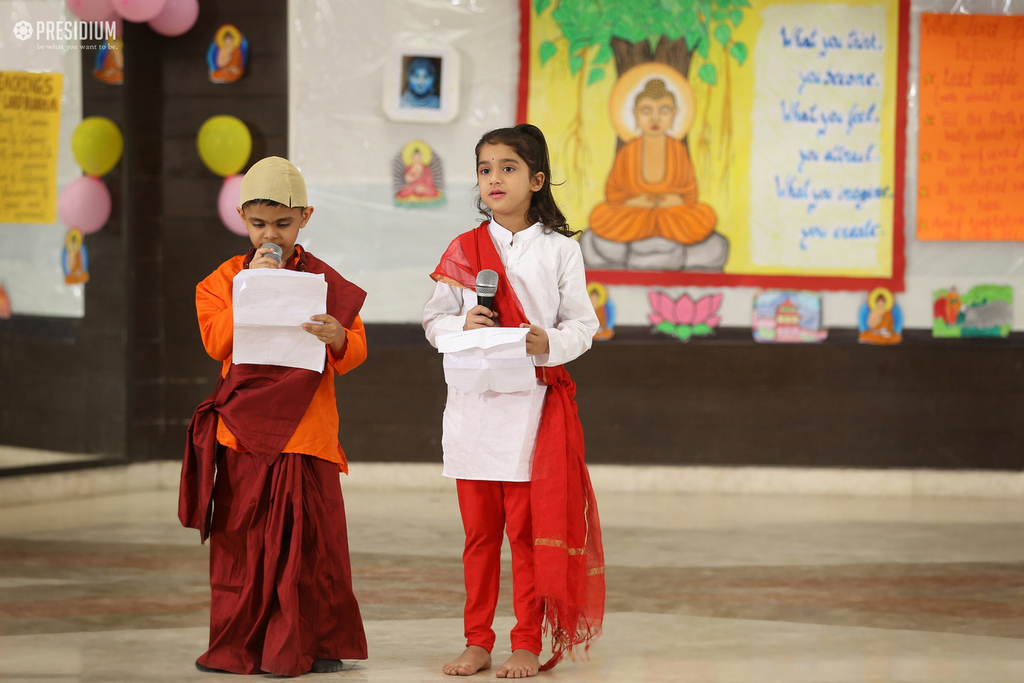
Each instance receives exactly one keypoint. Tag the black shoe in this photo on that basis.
(208, 670)
(327, 666)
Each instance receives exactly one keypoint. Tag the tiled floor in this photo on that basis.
(701, 589)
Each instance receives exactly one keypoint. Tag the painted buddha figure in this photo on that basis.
(880, 320)
(227, 56)
(651, 217)
(652, 189)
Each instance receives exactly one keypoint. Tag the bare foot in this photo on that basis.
(474, 659)
(522, 664)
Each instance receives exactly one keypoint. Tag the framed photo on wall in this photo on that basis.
(421, 84)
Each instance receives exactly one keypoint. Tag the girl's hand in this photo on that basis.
(331, 332)
(261, 260)
(478, 316)
(536, 340)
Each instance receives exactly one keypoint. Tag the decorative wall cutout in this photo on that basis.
(783, 316)
(684, 318)
(417, 176)
(880, 319)
(984, 311)
(605, 310)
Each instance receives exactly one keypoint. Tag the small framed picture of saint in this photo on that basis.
(421, 84)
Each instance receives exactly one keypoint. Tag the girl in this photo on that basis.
(517, 455)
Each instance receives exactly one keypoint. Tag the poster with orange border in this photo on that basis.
(971, 130)
(778, 157)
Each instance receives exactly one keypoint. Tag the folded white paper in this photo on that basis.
(269, 308)
(488, 359)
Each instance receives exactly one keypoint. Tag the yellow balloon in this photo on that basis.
(97, 145)
(224, 144)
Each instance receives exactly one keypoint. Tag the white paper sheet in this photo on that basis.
(488, 359)
(269, 309)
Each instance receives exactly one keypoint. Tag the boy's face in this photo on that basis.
(279, 225)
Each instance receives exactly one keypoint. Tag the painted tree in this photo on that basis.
(632, 32)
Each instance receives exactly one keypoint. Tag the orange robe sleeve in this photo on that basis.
(688, 223)
(317, 432)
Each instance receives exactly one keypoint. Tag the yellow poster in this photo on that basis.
(725, 143)
(29, 138)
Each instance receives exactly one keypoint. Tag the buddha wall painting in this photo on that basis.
(652, 216)
(726, 143)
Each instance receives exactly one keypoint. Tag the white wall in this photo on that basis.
(30, 254)
(344, 145)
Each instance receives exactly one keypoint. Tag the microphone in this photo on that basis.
(275, 254)
(486, 288)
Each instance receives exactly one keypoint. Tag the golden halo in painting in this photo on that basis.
(414, 146)
(598, 289)
(622, 100)
(881, 292)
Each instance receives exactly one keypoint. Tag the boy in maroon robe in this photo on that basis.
(260, 474)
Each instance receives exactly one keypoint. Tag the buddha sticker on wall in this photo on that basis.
(109, 64)
(605, 310)
(652, 216)
(880, 319)
(74, 258)
(417, 176)
(5, 304)
(228, 55)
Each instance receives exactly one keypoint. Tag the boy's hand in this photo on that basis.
(331, 332)
(479, 316)
(536, 340)
(261, 260)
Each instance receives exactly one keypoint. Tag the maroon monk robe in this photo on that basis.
(279, 563)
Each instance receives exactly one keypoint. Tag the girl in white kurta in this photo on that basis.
(489, 436)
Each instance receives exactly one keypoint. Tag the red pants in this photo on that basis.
(489, 509)
(280, 577)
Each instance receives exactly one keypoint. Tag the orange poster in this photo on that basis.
(971, 128)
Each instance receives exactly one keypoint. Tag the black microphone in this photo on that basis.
(275, 254)
(486, 288)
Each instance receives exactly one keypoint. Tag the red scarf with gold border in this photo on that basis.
(568, 555)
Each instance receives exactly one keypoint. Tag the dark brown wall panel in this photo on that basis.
(124, 380)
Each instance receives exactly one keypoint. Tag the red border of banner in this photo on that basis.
(673, 278)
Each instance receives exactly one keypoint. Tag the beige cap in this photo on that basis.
(275, 179)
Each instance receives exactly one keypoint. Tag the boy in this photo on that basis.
(260, 476)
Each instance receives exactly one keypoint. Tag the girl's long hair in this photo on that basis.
(528, 142)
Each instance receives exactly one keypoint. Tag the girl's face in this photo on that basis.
(506, 183)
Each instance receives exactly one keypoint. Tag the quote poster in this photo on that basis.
(29, 137)
(971, 131)
(731, 143)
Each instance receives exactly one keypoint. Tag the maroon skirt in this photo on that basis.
(280, 575)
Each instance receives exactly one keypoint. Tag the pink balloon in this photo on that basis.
(176, 18)
(227, 204)
(139, 10)
(85, 204)
(92, 10)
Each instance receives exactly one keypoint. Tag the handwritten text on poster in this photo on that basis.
(29, 137)
(971, 128)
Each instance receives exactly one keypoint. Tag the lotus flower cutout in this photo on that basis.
(684, 318)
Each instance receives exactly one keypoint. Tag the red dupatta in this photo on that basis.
(568, 555)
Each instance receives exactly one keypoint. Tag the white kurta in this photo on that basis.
(491, 435)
